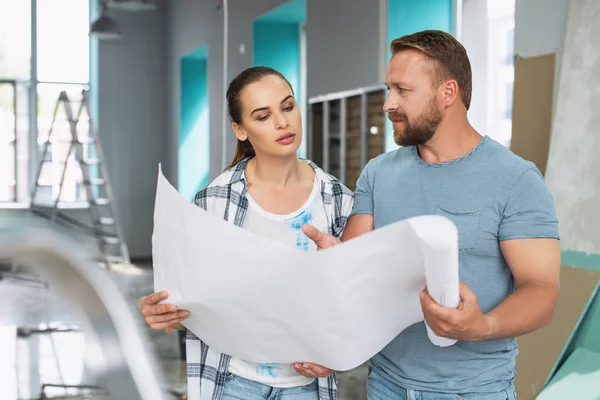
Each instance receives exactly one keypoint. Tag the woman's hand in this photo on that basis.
(161, 316)
(312, 370)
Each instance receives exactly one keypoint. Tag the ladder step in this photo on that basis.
(95, 182)
(111, 259)
(102, 202)
(111, 240)
(91, 161)
(106, 221)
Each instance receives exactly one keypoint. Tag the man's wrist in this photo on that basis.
(487, 328)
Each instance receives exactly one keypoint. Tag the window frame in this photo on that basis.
(22, 200)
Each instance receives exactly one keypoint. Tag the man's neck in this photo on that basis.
(276, 172)
(452, 140)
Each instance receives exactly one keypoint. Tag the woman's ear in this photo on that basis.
(239, 131)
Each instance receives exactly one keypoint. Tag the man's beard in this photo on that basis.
(419, 131)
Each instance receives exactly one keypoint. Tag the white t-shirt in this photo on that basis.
(286, 229)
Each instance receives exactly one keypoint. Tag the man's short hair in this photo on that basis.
(447, 53)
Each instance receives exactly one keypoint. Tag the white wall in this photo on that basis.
(130, 85)
(540, 28)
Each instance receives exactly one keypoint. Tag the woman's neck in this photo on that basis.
(276, 171)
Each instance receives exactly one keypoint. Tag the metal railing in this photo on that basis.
(119, 360)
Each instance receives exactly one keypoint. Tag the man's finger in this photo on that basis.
(154, 298)
(313, 233)
(429, 306)
(465, 293)
(322, 240)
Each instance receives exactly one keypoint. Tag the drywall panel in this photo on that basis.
(532, 108)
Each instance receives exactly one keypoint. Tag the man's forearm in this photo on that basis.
(528, 308)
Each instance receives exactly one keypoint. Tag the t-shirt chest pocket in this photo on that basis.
(467, 223)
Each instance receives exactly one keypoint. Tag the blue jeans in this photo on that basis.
(379, 388)
(237, 388)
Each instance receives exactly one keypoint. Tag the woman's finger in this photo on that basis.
(162, 325)
(318, 370)
(167, 317)
(303, 371)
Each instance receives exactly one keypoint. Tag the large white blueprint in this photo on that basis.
(262, 301)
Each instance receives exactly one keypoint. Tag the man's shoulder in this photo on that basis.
(504, 163)
(393, 159)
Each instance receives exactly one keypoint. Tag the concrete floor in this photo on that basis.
(30, 360)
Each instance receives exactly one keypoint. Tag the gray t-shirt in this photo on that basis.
(491, 195)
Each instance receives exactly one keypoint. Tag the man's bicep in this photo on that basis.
(357, 225)
(535, 260)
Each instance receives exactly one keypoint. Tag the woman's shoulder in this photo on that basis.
(338, 186)
(218, 188)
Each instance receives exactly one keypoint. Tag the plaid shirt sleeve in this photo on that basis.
(343, 200)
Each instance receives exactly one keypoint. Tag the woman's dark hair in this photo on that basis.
(234, 104)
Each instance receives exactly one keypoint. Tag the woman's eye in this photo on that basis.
(263, 117)
(288, 108)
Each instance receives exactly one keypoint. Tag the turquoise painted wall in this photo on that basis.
(277, 45)
(409, 16)
(193, 160)
(588, 334)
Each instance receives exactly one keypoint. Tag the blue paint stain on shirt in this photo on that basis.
(296, 224)
(267, 369)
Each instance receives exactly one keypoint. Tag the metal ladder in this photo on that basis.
(104, 224)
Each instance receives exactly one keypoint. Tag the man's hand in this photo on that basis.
(322, 240)
(312, 370)
(466, 322)
(161, 316)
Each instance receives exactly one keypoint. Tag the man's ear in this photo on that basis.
(451, 93)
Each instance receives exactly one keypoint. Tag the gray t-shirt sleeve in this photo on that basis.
(363, 195)
(529, 210)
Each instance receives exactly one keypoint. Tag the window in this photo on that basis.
(58, 31)
(501, 37)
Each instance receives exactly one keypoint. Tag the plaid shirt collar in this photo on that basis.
(207, 369)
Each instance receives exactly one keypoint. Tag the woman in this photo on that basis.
(273, 193)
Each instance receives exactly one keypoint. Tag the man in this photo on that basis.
(508, 235)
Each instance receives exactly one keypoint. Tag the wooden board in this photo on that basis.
(539, 350)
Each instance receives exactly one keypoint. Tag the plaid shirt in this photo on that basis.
(207, 370)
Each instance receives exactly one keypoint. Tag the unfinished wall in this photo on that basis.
(342, 52)
(573, 171)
